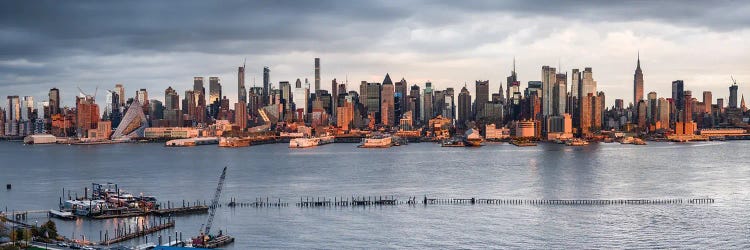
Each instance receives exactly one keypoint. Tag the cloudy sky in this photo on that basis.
(156, 44)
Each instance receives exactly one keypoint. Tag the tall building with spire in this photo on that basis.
(638, 82)
(733, 96)
(241, 90)
(387, 105)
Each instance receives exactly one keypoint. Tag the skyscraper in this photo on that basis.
(560, 95)
(638, 82)
(87, 115)
(549, 78)
(214, 90)
(483, 96)
(198, 86)
(677, 93)
(54, 101)
(427, 103)
(171, 99)
(707, 101)
(317, 75)
(121, 93)
(687, 113)
(733, 96)
(300, 97)
(12, 115)
(387, 104)
(142, 97)
(400, 98)
(334, 97)
(266, 85)
(241, 90)
(464, 107)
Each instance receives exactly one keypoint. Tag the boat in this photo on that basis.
(61, 214)
(523, 143)
(632, 140)
(206, 241)
(576, 142)
(453, 142)
(473, 138)
(377, 142)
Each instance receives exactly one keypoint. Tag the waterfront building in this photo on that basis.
(493, 132)
(525, 129)
(170, 132)
(102, 132)
(300, 97)
(559, 127)
(638, 82)
(133, 124)
(87, 115)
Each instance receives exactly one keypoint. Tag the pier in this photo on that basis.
(128, 233)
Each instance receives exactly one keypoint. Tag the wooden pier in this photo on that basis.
(128, 233)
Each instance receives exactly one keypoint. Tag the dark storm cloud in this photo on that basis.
(716, 15)
(91, 42)
(41, 28)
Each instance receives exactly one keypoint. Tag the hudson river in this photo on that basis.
(718, 170)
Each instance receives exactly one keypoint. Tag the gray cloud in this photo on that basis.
(158, 43)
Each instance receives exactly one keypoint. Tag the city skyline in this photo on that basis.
(479, 42)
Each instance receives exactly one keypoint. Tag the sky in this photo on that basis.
(157, 44)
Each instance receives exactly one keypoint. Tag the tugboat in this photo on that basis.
(473, 139)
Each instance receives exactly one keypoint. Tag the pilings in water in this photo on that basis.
(352, 201)
(259, 202)
(123, 233)
(390, 200)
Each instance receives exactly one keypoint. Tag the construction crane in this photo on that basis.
(205, 239)
(215, 202)
(733, 80)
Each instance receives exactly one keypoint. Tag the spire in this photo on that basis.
(639, 59)
(514, 64)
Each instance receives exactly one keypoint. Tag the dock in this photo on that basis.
(124, 234)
